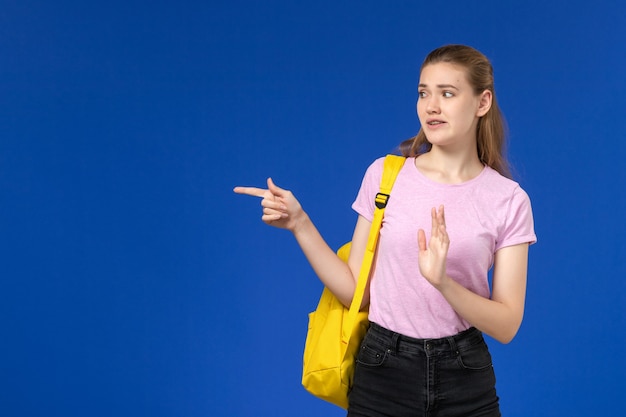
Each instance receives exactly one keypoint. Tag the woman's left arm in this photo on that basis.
(500, 316)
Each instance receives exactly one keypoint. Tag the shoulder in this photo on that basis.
(511, 204)
(364, 203)
(377, 165)
(496, 183)
(504, 196)
(507, 195)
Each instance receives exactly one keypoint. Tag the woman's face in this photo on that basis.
(447, 107)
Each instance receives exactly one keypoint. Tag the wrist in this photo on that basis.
(301, 223)
(444, 284)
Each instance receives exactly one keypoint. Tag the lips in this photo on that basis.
(434, 122)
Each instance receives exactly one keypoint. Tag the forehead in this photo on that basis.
(443, 73)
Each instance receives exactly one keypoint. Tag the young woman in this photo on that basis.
(454, 213)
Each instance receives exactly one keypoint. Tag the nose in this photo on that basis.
(432, 105)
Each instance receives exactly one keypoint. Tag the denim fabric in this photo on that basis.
(398, 376)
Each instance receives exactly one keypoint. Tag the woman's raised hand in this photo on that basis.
(432, 255)
(280, 208)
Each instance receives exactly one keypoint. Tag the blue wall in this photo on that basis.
(134, 282)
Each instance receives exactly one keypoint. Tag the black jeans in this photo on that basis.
(398, 376)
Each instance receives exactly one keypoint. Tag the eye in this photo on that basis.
(421, 94)
(448, 94)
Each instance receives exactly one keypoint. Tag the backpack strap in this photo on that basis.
(392, 166)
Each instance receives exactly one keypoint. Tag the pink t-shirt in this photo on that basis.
(483, 215)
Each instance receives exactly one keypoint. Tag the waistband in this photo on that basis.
(399, 342)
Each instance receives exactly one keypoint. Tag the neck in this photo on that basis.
(444, 166)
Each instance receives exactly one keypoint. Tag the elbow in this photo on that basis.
(505, 339)
(507, 334)
(507, 327)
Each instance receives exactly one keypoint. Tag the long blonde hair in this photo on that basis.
(491, 129)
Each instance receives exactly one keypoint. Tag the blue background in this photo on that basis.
(134, 282)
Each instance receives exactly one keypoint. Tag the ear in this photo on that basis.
(484, 103)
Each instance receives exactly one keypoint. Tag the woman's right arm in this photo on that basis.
(281, 209)
(339, 277)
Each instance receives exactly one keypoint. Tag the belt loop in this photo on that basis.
(395, 342)
(452, 343)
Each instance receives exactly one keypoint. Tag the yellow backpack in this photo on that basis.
(335, 332)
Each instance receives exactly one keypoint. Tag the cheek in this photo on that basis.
(464, 112)
(419, 107)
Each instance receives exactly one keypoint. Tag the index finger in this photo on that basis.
(441, 215)
(433, 222)
(253, 191)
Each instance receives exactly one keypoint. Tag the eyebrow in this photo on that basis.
(440, 86)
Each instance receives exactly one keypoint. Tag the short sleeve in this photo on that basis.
(364, 203)
(519, 224)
